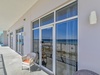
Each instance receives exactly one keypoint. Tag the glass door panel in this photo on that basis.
(66, 47)
(20, 43)
(47, 47)
(11, 41)
(17, 41)
(36, 42)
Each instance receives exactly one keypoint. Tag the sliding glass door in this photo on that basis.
(11, 40)
(36, 43)
(55, 40)
(20, 41)
(47, 47)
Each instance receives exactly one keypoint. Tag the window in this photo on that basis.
(60, 36)
(36, 24)
(11, 40)
(66, 12)
(66, 40)
(47, 19)
(20, 40)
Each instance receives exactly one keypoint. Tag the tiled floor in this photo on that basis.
(2, 67)
(13, 66)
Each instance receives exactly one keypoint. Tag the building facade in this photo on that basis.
(59, 31)
(3, 38)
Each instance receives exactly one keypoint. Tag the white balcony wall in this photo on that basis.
(89, 36)
(5, 43)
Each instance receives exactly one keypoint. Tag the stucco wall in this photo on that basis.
(39, 9)
(89, 37)
(5, 42)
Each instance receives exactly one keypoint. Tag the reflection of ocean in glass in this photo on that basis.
(36, 45)
(66, 47)
(36, 42)
(47, 19)
(64, 41)
(47, 48)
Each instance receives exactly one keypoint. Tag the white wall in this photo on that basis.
(5, 42)
(39, 9)
(89, 36)
(1, 38)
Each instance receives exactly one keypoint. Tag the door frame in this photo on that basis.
(18, 45)
(53, 51)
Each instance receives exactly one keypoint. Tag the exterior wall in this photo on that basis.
(5, 42)
(40, 8)
(3, 38)
(88, 48)
(89, 37)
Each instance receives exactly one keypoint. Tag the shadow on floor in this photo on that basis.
(34, 68)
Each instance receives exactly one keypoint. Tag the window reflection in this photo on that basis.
(66, 12)
(11, 40)
(36, 42)
(35, 24)
(47, 19)
(20, 41)
(66, 47)
(47, 48)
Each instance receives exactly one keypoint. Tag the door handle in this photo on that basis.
(42, 41)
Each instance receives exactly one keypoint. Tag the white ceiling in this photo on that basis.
(12, 10)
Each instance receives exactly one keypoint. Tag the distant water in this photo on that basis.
(64, 41)
(70, 41)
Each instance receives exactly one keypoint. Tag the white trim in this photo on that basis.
(67, 19)
(47, 26)
(39, 44)
(35, 28)
(54, 46)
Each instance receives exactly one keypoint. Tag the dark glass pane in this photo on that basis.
(36, 42)
(22, 29)
(47, 19)
(16, 31)
(36, 24)
(17, 42)
(47, 48)
(11, 40)
(66, 12)
(66, 47)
